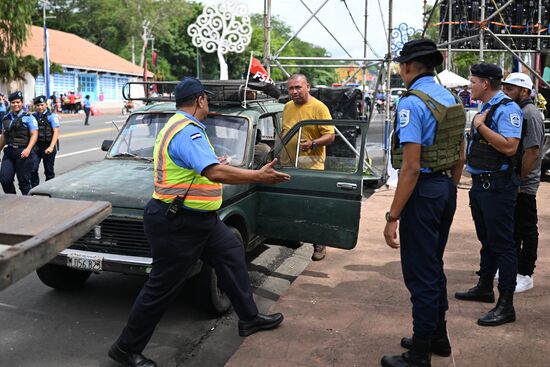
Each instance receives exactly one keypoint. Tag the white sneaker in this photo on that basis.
(523, 283)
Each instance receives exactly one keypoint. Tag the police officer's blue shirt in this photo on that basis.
(506, 121)
(190, 149)
(416, 124)
(28, 120)
(87, 103)
(2, 107)
(52, 118)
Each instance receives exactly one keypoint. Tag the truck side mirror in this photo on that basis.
(106, 145)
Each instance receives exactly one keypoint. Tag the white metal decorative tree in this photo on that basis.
(222, 28)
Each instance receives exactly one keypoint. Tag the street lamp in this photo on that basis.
(46, 4)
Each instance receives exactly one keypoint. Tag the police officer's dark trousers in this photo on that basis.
(493, 202)
(423, 231)
(12, 165)
(48, 161)
(176, 244)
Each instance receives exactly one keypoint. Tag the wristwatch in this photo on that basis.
(390, 219)
(314, 144)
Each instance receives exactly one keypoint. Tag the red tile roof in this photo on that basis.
(70, 50)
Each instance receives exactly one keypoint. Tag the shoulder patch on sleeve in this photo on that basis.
(196, 136)
(404, 117)
(515, 119)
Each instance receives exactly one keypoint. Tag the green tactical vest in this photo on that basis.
(449, 134)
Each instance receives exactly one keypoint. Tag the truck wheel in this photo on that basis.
(62, 277)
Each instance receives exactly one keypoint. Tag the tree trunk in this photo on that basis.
(223, 66)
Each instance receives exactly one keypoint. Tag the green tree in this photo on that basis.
(14, 29)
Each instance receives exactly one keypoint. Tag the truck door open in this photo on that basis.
(322, 202)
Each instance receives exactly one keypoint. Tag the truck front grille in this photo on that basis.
(121, 236)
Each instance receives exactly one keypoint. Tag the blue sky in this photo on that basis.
(336, 18)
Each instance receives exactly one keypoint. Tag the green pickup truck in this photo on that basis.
(316, 206)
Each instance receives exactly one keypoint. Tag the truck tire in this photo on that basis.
(62, 277)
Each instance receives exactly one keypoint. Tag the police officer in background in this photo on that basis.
(491, 160)
(48, 133)
(182, 226)
(3, 107)
(19, 135)
(428, 150)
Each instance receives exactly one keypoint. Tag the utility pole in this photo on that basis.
(364, 80)
(449, 35)
(133, 51)
(267, 35)
(46, 71)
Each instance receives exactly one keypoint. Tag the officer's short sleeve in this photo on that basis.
(409, 117)
(31, 123)
(190, 149)
(509, 119)
(54, 120)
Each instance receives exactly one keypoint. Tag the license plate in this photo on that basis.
(85, 262)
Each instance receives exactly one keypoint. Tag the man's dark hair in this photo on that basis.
(424, 63)
(495, 84)
(189, 101)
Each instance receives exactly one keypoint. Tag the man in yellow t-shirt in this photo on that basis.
(313, 139)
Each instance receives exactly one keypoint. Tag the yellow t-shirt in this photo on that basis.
(312, 110)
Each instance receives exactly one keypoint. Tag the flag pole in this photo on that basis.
(247, 77)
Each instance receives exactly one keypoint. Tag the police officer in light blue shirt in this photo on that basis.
(492, 159)
(3, 107)
(19, 135)
(48, 134)
(425, 200)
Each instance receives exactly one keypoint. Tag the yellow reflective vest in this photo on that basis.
(172, 180)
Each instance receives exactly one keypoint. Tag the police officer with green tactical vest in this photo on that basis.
(19, 135)
(492, 161)
(182, 226)
(427, 149)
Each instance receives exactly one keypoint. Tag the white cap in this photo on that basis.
(520, 80)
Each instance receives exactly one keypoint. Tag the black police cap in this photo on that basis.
(420, 48)
(15, 95)
(39, 99)
(486, 70)
(187, 87)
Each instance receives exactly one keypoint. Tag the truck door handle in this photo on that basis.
(346, 186)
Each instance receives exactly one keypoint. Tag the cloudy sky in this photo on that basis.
(335, 17)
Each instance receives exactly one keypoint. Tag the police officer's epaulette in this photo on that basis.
(493, 108)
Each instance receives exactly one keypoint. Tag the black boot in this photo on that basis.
(503, 312)
(482, 292)
(418, 356)
(439, 344)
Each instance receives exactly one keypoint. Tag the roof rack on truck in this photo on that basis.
(225, 92)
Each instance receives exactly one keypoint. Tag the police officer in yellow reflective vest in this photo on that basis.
(182, 226)
(427, 149)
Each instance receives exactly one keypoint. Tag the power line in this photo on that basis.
(382, 17)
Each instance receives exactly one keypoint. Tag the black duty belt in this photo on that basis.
(440, 173)
(15, 146)
(487, 176)
(185, 211)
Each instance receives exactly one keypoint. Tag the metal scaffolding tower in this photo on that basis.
(484, 31)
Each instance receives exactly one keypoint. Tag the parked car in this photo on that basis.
(315, 206)
(396, 94)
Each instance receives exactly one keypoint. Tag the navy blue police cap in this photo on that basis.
(15, 95)
(188, 87)
(486, 70)
(39, 99)
(420, 48)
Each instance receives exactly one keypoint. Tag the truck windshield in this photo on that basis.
(227, 134)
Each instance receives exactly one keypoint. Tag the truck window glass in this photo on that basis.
(340, 156)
